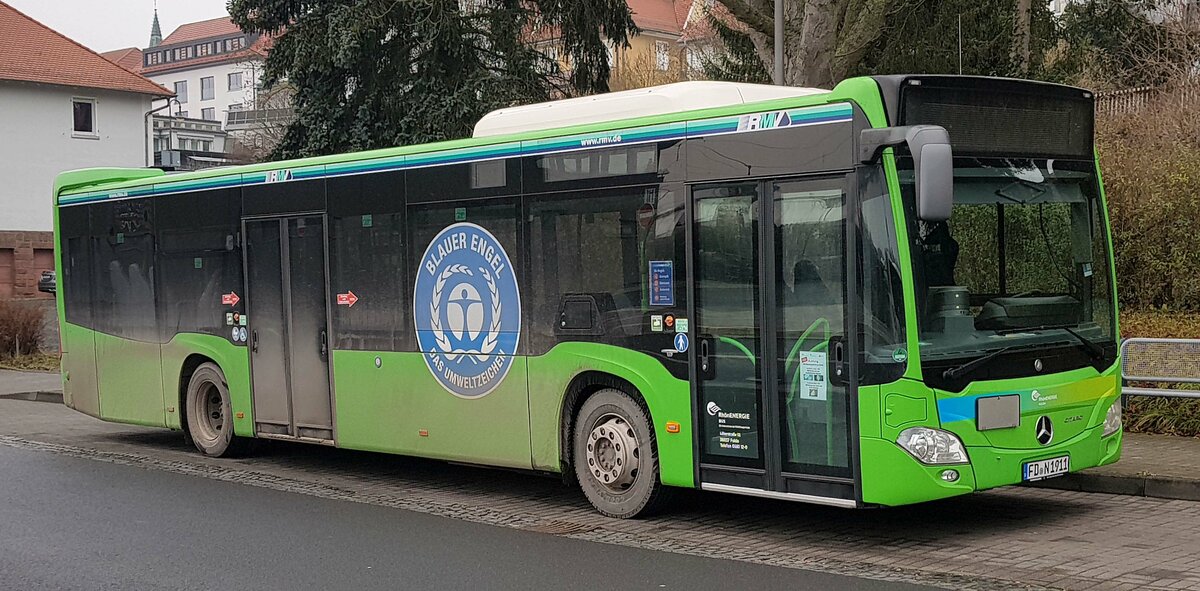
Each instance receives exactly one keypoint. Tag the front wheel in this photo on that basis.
(615, 457)
(209, 413)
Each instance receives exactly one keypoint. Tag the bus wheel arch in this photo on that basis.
(206, 408)
(610, 446)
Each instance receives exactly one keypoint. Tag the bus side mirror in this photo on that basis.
(933, 163)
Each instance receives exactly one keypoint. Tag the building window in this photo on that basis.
(662, 55)
(206, 146)
(83, 111)
(207, 88)
(208, 114)
(237, 107)
(181, 91)
(229, 45)
(235, 81)
(203, 49)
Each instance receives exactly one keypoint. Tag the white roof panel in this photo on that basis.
(627, 104)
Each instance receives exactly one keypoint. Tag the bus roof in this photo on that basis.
(679, 97)
(750, 98)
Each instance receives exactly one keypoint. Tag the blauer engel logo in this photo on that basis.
(467, 310)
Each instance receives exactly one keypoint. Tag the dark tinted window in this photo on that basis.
(591, 257)
(123, 248)
(367, 258)
(75, 282)
(200, 260)
(879, 268)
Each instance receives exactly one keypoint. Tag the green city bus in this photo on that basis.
(896, 291)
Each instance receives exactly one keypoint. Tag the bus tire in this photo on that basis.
(210, 414)
(615, 456)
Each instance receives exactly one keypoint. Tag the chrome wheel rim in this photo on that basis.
(613, 454)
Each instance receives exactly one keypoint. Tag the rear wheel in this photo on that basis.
(615, 457)
(209, 413)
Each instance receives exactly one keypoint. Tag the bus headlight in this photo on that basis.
(1112, 420)
(933, 446)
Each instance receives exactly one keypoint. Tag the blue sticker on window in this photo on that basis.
(662, 283)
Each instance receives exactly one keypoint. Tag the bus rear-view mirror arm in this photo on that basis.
(933, 164)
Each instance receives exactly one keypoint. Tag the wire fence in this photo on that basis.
(1133, 100)
(1158, 362)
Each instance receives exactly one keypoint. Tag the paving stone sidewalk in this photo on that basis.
(1163, 466)
(29, 382)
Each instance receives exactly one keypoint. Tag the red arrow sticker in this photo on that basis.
(347, 299)
(230, 299)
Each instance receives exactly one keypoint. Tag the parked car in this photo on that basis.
(48, 283)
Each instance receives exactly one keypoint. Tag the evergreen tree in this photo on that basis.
(378, 73)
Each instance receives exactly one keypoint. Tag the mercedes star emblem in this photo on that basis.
(1044, 430)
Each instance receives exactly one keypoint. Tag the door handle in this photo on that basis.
(838, 361)
(704, 359)
(324, 345)
(254, 341)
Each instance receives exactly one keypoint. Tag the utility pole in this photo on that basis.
(779, 42)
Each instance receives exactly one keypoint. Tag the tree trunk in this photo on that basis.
(1021, 36)
(823, 39)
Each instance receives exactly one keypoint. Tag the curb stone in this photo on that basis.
(1138, 486)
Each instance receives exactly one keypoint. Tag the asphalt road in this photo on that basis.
(68, 523)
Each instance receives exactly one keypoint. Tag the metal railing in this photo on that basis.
(1164, 361)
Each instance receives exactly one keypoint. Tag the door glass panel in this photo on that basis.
(727, 323)
(309, 343)
(810, 239)
(264, 297)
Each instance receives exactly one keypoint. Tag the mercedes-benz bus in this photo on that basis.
(894, 291)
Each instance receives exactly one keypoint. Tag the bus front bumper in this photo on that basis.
(893, 477)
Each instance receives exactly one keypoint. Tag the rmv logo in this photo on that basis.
(764, 121)
(467, 310)
(279, 176)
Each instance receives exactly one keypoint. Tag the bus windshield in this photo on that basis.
(1021, 264)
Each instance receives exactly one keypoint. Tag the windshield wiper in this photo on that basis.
(956, 372)
(1096, 352)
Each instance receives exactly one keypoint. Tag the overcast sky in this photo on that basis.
(102, 25)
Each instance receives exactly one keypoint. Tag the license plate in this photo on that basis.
(1043, 469)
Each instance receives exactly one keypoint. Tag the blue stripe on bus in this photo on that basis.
(841, 112)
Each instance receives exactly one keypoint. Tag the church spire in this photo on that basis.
(155, 30)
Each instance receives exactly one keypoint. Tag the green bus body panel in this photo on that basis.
(130, 377)
(667, 398)
(387, 408)
(81, 390)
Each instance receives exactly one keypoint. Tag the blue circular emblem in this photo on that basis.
(681, 342)
(467, 310)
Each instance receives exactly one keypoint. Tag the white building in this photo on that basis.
(62, 107)
(215, 69)
(212, 66)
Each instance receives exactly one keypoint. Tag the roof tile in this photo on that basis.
(34, 52)
(213, 27)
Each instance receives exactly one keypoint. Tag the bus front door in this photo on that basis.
(772, 380)
(288, 310)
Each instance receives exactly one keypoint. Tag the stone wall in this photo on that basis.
(25, 253)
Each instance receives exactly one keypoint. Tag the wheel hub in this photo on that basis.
(613, 455)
